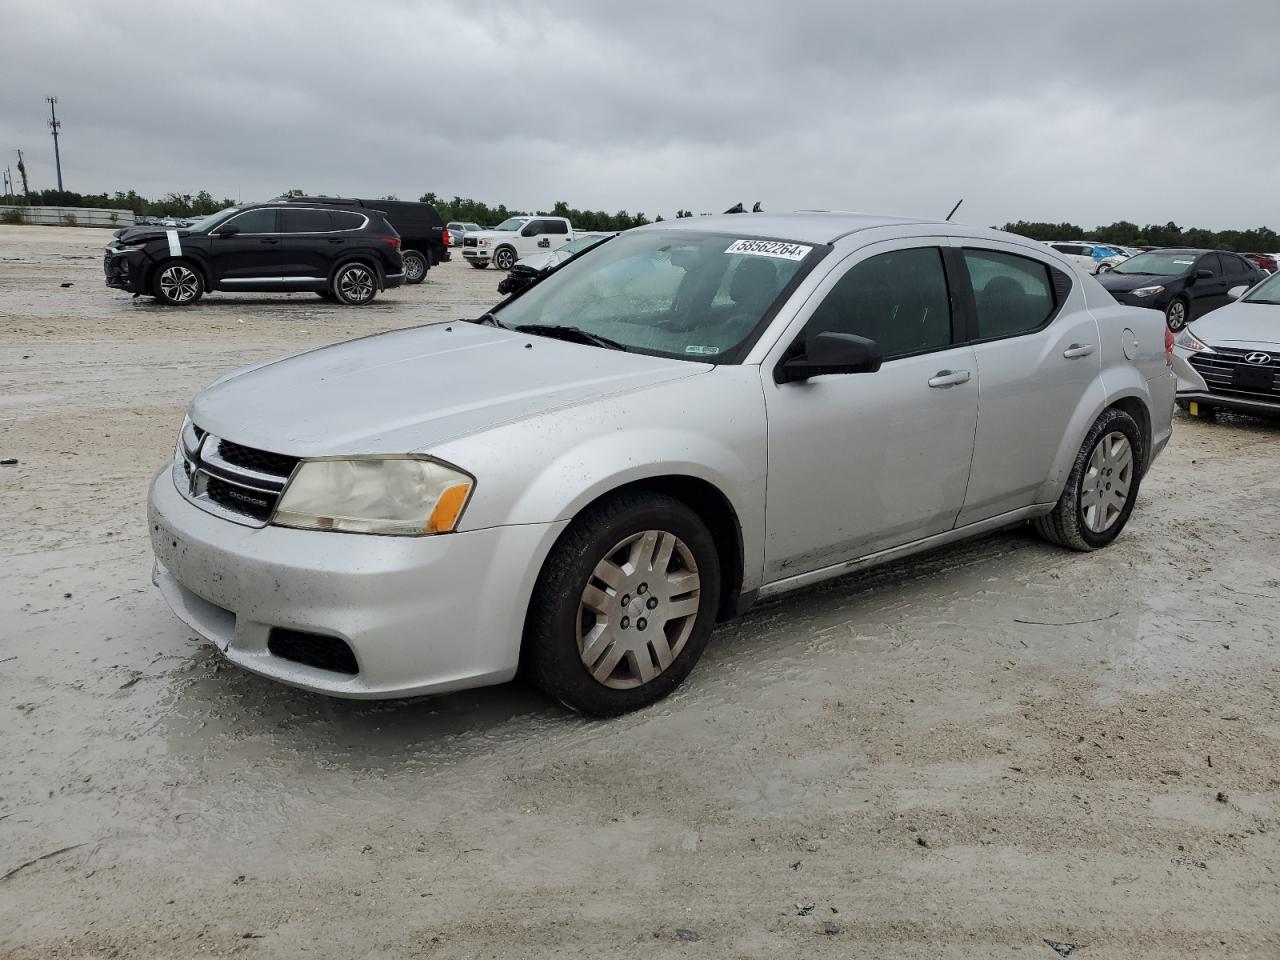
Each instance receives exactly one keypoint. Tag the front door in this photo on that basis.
(1207, 293)
(245, 251)
(1037, 351)
(862, 462)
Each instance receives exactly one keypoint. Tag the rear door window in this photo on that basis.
(306, 221)
(1013, 295)
(555, 226)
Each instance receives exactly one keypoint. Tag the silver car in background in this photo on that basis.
(1230, 358)
(458, 229)
(689, 417)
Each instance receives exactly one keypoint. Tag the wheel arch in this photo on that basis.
(493, 257)
(199, 264)
(359, 256)
(1132, 397)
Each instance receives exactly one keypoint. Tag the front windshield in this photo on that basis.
(511, 225)
(1157, 264)
(211, 221)
(1268, 291)
(680, 294)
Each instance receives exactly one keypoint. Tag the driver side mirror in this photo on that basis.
(831, 353)
(1235, 293)
(1203, 274)
(226, 232)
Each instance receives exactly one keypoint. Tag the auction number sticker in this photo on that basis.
(778, 249)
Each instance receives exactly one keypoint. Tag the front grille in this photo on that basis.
(312, 650)
(259, 460)
(470, 241)
(1219, 370)
(238, 482)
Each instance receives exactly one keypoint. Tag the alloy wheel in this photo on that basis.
(413, 268)
(356, 284)
(1104, 487)
(179, 284)
(1177, 315)
(504, 259)
(638, 609)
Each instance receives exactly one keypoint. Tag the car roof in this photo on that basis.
(808, 226)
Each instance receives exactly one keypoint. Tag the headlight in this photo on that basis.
(483, 243)
(1147, 291)
(1187, 340)
(402, 496)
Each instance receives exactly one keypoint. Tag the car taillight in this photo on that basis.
(394, 241)
(445, 237)
(1168, 347)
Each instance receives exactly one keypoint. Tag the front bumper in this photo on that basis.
(1192, 386)
(420, 614)
(126, 270)
(478, 254)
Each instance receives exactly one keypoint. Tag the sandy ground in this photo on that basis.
(964, 755)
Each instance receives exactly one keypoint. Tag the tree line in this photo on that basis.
(1126, 234)
(1122, 232)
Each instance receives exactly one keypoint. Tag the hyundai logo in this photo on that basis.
(1258, 358)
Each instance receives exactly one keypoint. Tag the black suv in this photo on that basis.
(424, 239)
(343, 255)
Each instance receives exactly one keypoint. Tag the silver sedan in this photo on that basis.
(690, 417)
(1230, 358)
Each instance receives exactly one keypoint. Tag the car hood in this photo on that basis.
(139, 234)
(541, 261)
(1124, 282)
(1241, 325)
(410, 390)
(491, 234)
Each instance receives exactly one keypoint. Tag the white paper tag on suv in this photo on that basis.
(778, 249)
(175, 245)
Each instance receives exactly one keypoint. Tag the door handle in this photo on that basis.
(949, 378)
(337, 240)
(1078, 350)
(268, 241)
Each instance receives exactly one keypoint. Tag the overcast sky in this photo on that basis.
(1089, 110)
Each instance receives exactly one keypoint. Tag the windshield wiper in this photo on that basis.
(485, 319)
(561, 332)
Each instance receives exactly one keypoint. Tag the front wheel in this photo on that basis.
(415, 267)
(1102, 487)
(1177, 314)
(624, 605)
(479, 264)
(504, 258)
(177, 285)
(355, 284)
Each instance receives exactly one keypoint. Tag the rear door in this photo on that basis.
(1037, 354)
(308, 244)
(245, 251)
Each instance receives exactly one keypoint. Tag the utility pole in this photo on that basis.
(8, 181)
(54, 125)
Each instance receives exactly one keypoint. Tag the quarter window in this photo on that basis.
(306, 221)
(262, 220)
(1014, 294)
(897, 299)
(342, 220)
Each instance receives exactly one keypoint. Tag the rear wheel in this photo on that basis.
(177, 284)
(504, 258)
(415, 266)
(355, 284)
(1177, 314)
(624, 605)
(1102, 487)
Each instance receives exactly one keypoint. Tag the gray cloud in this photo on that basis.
(1090, 111)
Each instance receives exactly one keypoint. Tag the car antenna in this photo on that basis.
(954, 209)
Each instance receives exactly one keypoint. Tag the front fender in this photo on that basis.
(549, 468)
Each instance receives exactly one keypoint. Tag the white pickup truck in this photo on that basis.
(514, 238)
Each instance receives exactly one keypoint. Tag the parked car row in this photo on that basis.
(1183, 284)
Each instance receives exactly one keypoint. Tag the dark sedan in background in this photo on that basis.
(1184, 284)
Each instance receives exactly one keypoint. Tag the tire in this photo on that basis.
(1102, 487)
(1103, 268)
(1177, 314)
(504, 258)
(478, 264)
(177, 283)
(415, 266)
(355, 284)
(563, 631)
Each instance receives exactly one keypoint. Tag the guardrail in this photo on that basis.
(68, 216)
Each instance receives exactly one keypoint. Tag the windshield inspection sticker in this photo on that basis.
(701, 351)
(777, 249)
